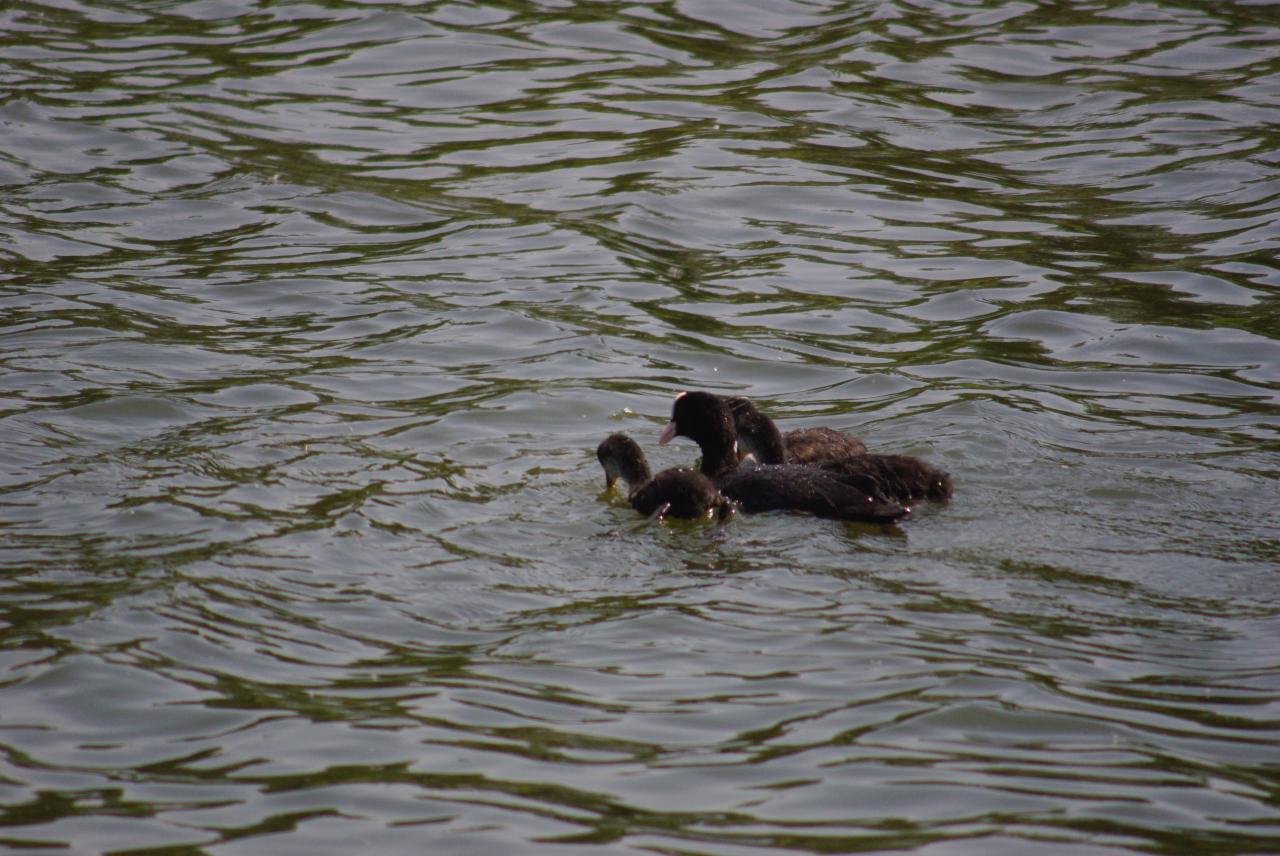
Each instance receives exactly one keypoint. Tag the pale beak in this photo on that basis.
(668, 433)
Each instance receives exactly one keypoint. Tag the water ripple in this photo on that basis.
(313, 316)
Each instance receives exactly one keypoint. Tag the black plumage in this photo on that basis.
(901, 477)
(759, 437)
(706, 419)
(825, 493)
(676, 492)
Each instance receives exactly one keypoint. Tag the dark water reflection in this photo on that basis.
(314, 313)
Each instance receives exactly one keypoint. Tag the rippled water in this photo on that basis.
(313, 314)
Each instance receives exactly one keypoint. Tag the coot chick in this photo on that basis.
(705, 419)
(901, 477)
(759, 437)
(676, 492)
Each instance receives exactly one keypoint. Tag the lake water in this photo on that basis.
(313, 314)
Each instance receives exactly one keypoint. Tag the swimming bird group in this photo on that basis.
(816, 470)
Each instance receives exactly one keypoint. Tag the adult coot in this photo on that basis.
(705, 419)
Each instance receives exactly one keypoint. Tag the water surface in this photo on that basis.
(313, 315)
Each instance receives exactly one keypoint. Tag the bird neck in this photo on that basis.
(719, 459)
